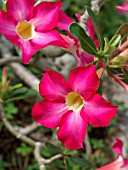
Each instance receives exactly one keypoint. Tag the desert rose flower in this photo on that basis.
(123, 8)
(31, 27)
(72, 105)
(120, 163)
(82, 57)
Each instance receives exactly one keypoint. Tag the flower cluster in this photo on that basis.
(73, 104)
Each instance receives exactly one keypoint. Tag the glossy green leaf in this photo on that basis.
(96, 26)
(85, 41)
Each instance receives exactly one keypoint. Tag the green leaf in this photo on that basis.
(4, 6)
(96, 26)
(69, 164)
(24, 150)
(29, 93)
(67, 3)
(83, 162)
(123, 30)
(115, 40)
(18, 91)
(53, 149)
(10, 110)
(86, 42)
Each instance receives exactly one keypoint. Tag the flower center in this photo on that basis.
(74, 101)
(25, 30)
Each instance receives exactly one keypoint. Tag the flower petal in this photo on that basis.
(97, 111)
(72, 130)
(123, 8)
(116, 165)
(20, 9)
(53, 86)
(48, 38)
(45, 15)
(91, 31)
(117, 147)
(7, 26)
(64, 21)
(83, 79)
(48, 113)
(28, 49)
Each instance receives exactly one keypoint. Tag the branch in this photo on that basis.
(28, 129)
(95, 6)
(41, 160)
(5, 61)
(88, 146)
(25, 75)
(14, 132)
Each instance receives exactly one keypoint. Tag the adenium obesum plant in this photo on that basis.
(120, 163)
(72, 105)
(31, 27)
(82, 57)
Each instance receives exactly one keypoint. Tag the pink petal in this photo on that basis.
(90, 28)
(87, 58)
(123, 8)
(42, 40)
(8, 26)
(91, 31)
(45, 15)
(116, 165)
(72, 130)
(64, 21)
(53, 86)
(28, 49)
(48, 113)
(117, 147)
(83, 79)
(97, 111)
(20, 9)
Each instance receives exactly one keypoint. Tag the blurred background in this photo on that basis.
(15, 154)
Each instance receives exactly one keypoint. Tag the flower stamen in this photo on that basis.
(74, 101)
(25, 30)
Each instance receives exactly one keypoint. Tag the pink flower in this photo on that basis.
(123, 8)
(29, 27)
(82, 57)
(120, 163)
(71, 105)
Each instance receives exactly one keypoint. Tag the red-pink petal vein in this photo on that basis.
(72, 130)
(83, 79)
(53, 86)
(48, 38)
(45, 15)
(97, 111)
(8, 26)
(48, 113)
(20, 9)
(64, 21)
(28, 49)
